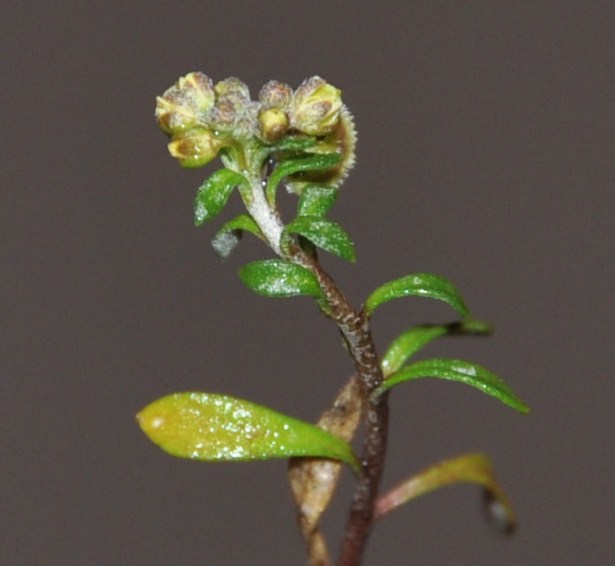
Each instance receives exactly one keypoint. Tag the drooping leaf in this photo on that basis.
(410, 342)
(279, 278)
(313, 481)
(219, 428)
(313, 162)
(458, 370)
(325, 234)
(227, 238)
(316, 200)
(469, 468)
(214, 193)
(417, 285)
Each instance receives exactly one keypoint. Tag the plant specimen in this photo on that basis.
(304, 140)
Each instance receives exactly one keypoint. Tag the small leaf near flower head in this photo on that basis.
(186, 104)
(457, 370)
(219, 428)
(298, 165)
(214, 193)
(279, 278)
(418, 285)
(315, 107)
(227, 238)
(316, 200)
(325, 234)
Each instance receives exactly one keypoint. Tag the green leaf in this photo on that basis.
(227, 238)
(293, 144)
(469, 468)
(299, 165)
(279, 278)
(213, 194)
(325, 234)
(218, 428)
(316, 200)
(457, 370)
(410, 342)
(418, 285)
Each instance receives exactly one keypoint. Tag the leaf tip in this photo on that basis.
(499, 513)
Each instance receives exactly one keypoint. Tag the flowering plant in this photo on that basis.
(304, 140)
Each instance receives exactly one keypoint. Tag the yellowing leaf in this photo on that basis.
(208, 427)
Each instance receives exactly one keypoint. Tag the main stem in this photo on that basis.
(355, 329)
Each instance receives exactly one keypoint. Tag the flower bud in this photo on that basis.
(232, 104)
(186, 104)
(342, 139)
(196, 147)
(224, 116)
(234, 90)
(275, 94)
(315, 107)
(273, 124)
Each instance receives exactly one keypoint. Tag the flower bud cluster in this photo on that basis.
(202, 118)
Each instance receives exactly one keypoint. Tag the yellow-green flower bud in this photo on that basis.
(234, 90)
(196, 147)
(275, 94)
(231, 112)
(273, 124)
(186, 104)
(315, 107)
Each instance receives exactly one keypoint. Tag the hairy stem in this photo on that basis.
(355, 329)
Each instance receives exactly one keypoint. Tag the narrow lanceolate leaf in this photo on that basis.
(213, 194)
(316, 200)
(410, 342)
(227, 238)
(469, 468)
(279, 278)
(299, 165)
(219, 428)
(417, 285)
(325, 234)
(458, 370)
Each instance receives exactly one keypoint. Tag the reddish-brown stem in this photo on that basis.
(361, 517)
(355, 329)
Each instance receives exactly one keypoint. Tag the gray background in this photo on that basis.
(485, 154)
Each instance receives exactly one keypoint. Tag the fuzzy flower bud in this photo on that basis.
(233, 107)
(315, 107)
(275, 94)
(196, 147)
(233, 89)
(186, 104)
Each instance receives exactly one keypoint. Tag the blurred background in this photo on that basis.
(486, 154)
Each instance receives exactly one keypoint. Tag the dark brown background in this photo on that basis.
(486, 154)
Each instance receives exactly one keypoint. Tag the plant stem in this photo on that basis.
(355, 328)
